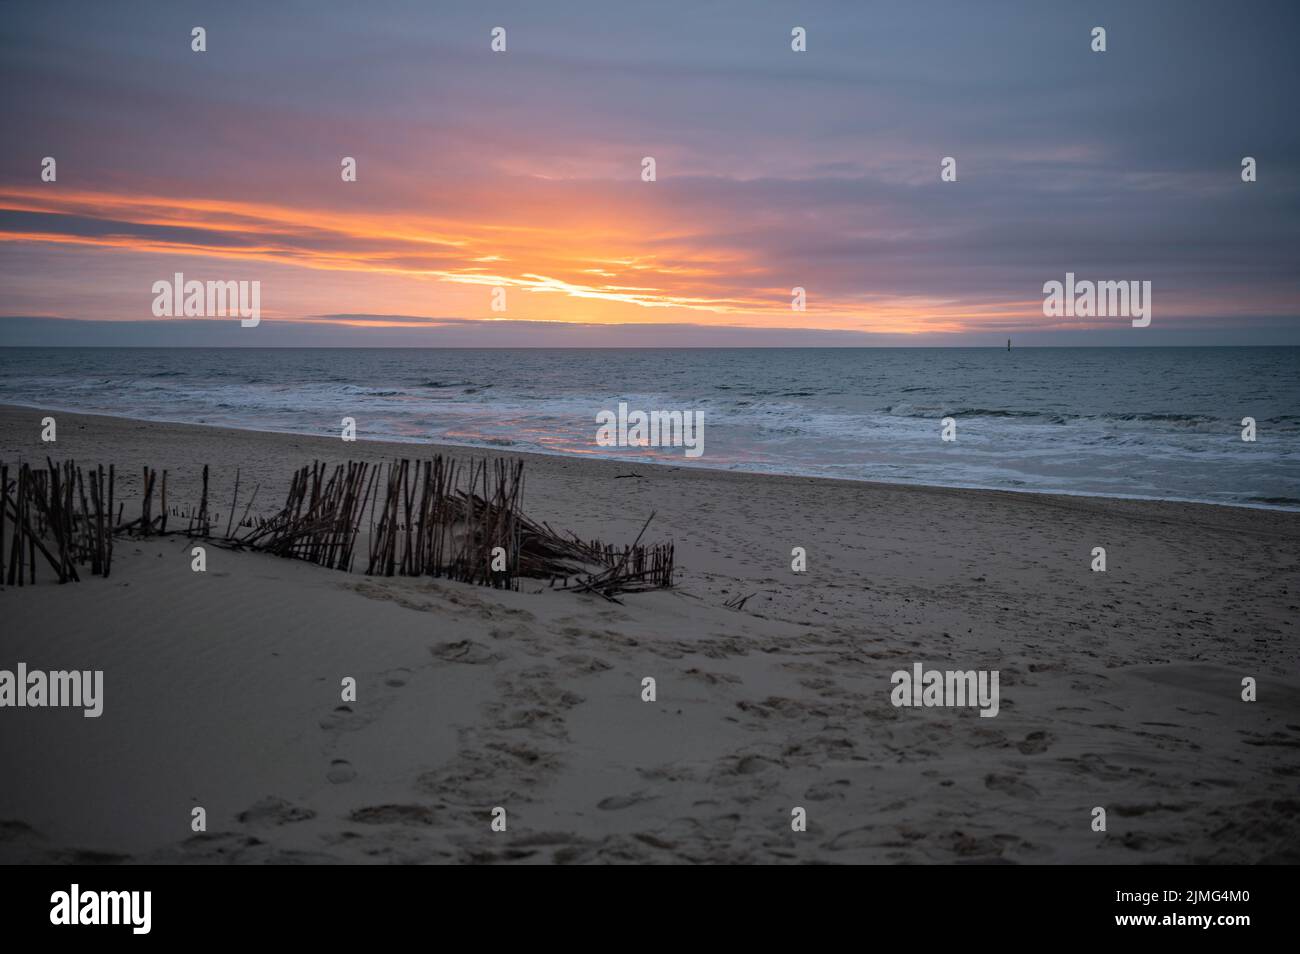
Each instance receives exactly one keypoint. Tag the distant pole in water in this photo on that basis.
(1008, 344)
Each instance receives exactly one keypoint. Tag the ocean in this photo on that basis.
(1161, 423)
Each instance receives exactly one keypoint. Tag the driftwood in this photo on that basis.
(435, 517)
(738, 602)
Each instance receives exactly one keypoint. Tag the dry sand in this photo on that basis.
(1118, 689)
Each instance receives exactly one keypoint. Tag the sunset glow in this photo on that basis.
(522, 176)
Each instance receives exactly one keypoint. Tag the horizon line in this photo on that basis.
(877, 347)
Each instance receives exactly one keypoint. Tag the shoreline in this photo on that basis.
(490, 450)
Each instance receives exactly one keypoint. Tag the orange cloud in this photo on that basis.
(567, 261)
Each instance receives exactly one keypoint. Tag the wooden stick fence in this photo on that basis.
(433, 517)
(48, 511)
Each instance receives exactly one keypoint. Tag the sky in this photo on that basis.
(522, 170)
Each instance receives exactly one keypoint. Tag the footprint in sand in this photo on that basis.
(1035, 742)
(341, 771)
(828, 790)
(1092, 764)
(1136, 811)
(464, 651)
(753, 764)
(341, 718)
(274, 811)
(1010, 785)
(616, 802)
(397, 677)
(710, 678)
(580, 663)
(392, 814)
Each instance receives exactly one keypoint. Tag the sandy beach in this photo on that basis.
(1119, 689)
